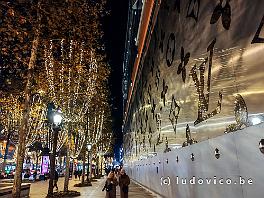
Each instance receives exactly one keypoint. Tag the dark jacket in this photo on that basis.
(124, 181)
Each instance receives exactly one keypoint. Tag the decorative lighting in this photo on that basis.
(203, 99)
(241, 115)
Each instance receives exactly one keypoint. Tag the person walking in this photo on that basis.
(75, 174)
(107, 171)
(35, 175)
(110, 185)
(124, 181)
(56, 178)
(79, 174)
(45, 176)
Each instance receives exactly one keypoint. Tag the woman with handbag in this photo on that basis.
(110, 185)
(124, 181)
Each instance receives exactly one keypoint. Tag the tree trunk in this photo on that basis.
(97, 167)
(83, 166)
(88, 167)
(91, 170)
(101, 170)
(84, 150)
(24, 124)
(67, 172)
(52, 161)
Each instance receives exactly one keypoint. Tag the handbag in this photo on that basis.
(109, 187)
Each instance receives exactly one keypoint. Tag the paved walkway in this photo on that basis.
(40, 189)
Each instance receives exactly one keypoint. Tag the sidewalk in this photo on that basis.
(40, 189)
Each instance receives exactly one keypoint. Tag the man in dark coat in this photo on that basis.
(79, 174)
(124, 181)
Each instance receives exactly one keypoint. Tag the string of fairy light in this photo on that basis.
(65, 94)
(11, 110)
(76, 88)
(69, 80)
(89, 89)
(37, 119)
(71, 88)
(12, 114)
(62, 72)
(49, 68)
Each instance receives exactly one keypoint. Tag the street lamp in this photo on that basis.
(56, 122)
(57, 118)
(89, 147)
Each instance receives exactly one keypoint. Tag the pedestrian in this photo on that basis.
(27, 174)
(118, 173)
(56, 178)
(110, 185)
(124, 181)
(45, 176)
(75, 174)
(107, 171)
(79, 174)
(35, 175)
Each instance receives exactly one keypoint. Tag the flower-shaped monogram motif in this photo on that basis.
(225, 12)
(184, 61)
(164, 92)
(193, 9)
(174, 113)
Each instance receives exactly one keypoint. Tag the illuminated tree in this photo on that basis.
(28, 29)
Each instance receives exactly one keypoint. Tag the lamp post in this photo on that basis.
(89, 147)
(57, 119)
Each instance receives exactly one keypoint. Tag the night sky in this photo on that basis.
(114, 38)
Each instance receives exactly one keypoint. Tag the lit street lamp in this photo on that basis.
(56, 122)
(89, 147)
(57, 118)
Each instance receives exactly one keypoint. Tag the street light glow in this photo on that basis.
(57, 118)
(89, 147)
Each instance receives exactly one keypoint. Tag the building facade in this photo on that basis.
(198, 81)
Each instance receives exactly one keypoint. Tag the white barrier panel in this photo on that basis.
(240, 162)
